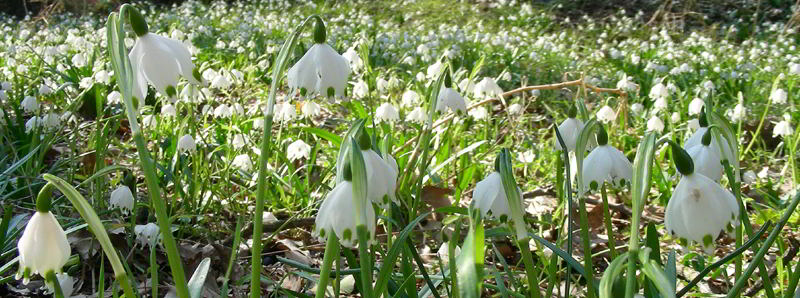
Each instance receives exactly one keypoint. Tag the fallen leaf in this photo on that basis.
(435, 196)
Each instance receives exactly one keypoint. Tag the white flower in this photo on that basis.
(51, 121)
(382, 85)
(479, 113)
(570, 130)
(103, 77)
(222, 111)
(655, 124)
(43, 246)
(434, 69)
(168, 110)
(160, 61)
(637, 108)
(515, 109)
(239, 140)
(693, 124)
(627, 84)
(410, 98)
(242, 162)
(606, 114)
(114, 97)
(386, 112)
(122, 198)
(320, 70)
(79, 60)
(186, 144)
(66, 283)
(353, 59)
(449, 98)
(32, 123)
(696, 106)
(738, 113)
(44, 89)
(749, 177)
(148, 234)
(381, 177)
(297, 150)
(444, 252)
(778, 96)
(360, 89)
(149, 121)
(487, 88)
(285, 112)
(336, 215)
(658, 91)
(606, 164)
(700, 210)
(30, 105)
(466, 85)
(794, 68)
(490, 197)
(707, 161)
(783, 128)
(417, 115)
(526, 156)
(660, 104)
(221, 82)
(675, 117)
(310, 109)
(708, 85)
(3, 96)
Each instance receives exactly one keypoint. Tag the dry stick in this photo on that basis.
(578, 82)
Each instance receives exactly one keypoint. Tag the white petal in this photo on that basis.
(332, 68)
(596, 167)
(706, 161)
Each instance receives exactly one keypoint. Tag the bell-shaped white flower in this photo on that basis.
(148, 234)
(360, 89)
(606, 114)
(353, 59)
(778, 96)
(386, 112)
(187, 144)
(285, 112)
(699, 209)
(637, 108)
(479, 113)
(487, 88)
(158, 60)
(725, 151)
(336, 215)
(168, 110)
(605, 164)
(450, 99)
(655, 124)
(410, 99)
(239, 141)
(122, 198)
(434, 69)
(381, 178)
(242, 162)
(310, 109)
(570, 129)
(30, 105)
(515, 109)
(43, 246)
(658, 91)
(490, 197)
(114, 97)
(783, 128)
(321, 70)
(298, 150)
(417, 115)
(707, 160)
(696, 106)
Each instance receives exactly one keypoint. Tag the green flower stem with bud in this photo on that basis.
(123, 72)
(51, 278)
(331, 254)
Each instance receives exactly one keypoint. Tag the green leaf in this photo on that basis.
(198, 279)
(470, 261)
(359, 170)
(580, 151)
(394, 252)
(656, 274)
(327, 135)
(461, 152)
(345, 147)
(611, 274)
(653, 243)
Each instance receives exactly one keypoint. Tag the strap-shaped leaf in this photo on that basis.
(470, 261)
(613, 271)
(198, 279)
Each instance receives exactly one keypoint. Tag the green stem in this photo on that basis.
(331, 253)
(740, 283)
(587, 248)
(364, 260)
(52, 279)
(533, 276)
(758, 129)
(793, 282)
(609, 227)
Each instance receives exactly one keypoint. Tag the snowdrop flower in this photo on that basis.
(655, 124)
(708, 85)
(606, 114)
(386, 112)
(310, 109)
(749, 177)
(675, 117)
(605, 164)
(50, 121)
(487, 88)
(466, 85)
(658, 91)
(515, 109)
(794, 68)
(738, 113)
(382, 85)
(168, 110)
(417, 115)
(43, 246)
(3, 96)
(285, 112)
(148, 234)
(30, 105)
(336, 214)
(360, 89)
(410, 99)
(239, 140)
(707, 160)
(321, 69)
(65, 282)
(79, 60)
(783, 128)
(114, 97)
(637, 108)
(570, 129)
(490, 198)
(699, 209)
(434, 69)
(122, 198)
(149, 121)
(298, 150)
(242, 162)
(627, 84)
(725, 151)
(381, 174)
(222, 111)
(696, 106)
(102, 77)
(32, 124)
(186, 144)
(221, 82)
(778, 96)
(478, 113)
(158, 60)
(353, 59)
(450, 99)
(444, 252)
(44, 89)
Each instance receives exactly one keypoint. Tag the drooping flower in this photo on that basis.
(158, 60)
(122, 198)
(298, 150)
(285, 112)
(310, 109)
(360, 89)
(417, 115)
(490, 197)
(386, 112)
(243, 162)
(696, 106)
(627, 84)
(699, 209)
(606, 114)
(707, 160)
(778, 96)
(353, 59)
(321, 70)
(186, 144)
(381, 175)
(168, 110)
(487, 88)
(570, 130)
(784, 127)
(658, 91)
(43, 246)
(114, 97)
(30, 105)
(148, 234)
(515, 109)
(637, 108)
(479, 113)
(655, 124)
(410, 98)
(450, 99)
(605, 164)
(725, 151)
(336, 215)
